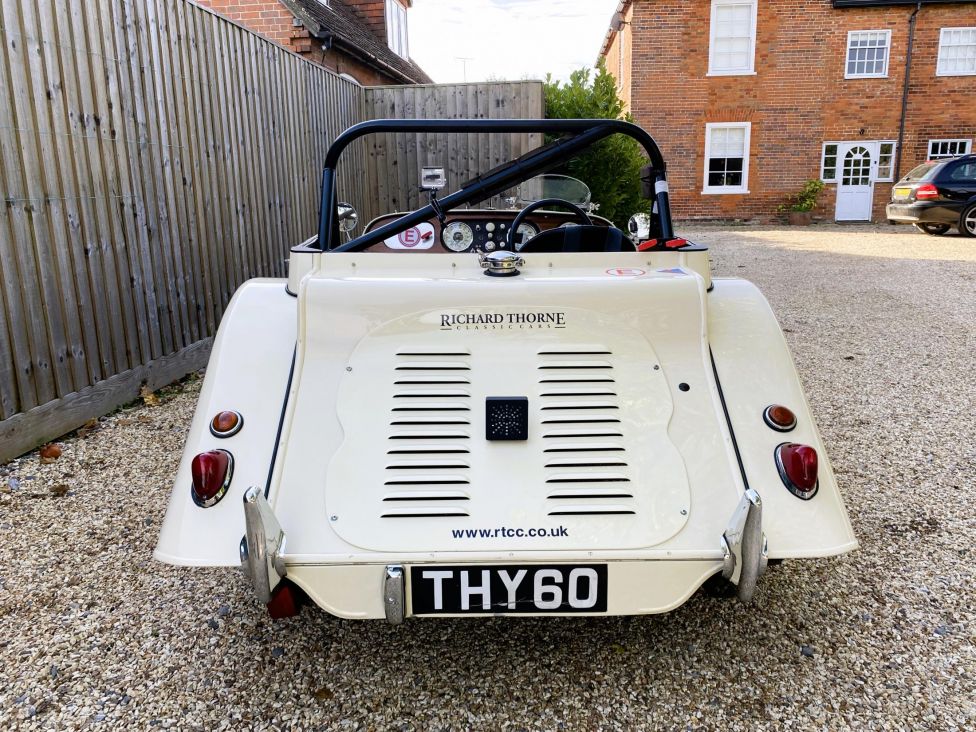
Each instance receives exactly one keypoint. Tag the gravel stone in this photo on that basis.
(129, 637)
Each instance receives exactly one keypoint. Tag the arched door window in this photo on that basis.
(857, 167)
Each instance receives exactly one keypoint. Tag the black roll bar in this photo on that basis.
(581, 133)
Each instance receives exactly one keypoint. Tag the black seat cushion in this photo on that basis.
(579, 239)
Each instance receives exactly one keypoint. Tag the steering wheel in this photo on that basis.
(535, 206)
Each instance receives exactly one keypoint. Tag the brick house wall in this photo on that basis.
(340, 63)
(273, 20)
(622, 43)
(797, 99)
(268, 17)
(372, 13)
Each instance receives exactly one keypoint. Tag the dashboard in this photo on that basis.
(471, 230)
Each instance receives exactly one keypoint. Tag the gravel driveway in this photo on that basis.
(93, 633)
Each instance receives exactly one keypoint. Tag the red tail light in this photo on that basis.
(797, 465)
(926, 192)
(211, 472)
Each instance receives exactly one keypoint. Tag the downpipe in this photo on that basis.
(905, 89)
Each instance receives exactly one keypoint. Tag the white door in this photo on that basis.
(855, 181)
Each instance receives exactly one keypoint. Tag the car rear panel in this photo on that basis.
(387, 450)
(597, 468)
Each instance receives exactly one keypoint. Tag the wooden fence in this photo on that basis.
(153, 156)
(461, 155)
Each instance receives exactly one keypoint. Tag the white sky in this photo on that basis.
(506, 39)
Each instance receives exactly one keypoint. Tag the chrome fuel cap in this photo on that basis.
(501, 263)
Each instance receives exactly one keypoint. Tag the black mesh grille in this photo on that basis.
(507, 418)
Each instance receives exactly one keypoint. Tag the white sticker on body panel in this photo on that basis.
(420, 236)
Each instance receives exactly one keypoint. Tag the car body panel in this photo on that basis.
(248, 372)
(743, 332)
(354, 296)
(638, 587)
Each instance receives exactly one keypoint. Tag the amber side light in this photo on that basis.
(226, 423)
(779, 418)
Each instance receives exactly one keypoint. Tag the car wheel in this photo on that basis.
(933, 229)
(967, 222)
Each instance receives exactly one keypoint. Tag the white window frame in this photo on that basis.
(877, 162)
(396, 32)
(823, 160)
(847, 54)
(965, 142)
(938, 67)
(744, 71)
(727, 190)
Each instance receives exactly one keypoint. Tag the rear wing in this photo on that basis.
(578, 134)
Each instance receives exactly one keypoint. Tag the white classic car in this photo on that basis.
(550, 417)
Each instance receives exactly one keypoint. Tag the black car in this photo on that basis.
(936, 196)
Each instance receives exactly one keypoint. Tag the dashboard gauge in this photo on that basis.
(458, 236)
(523, 234)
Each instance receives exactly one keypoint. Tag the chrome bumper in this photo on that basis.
(263, 546)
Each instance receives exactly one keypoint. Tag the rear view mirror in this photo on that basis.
(348, 218)
(639, 227)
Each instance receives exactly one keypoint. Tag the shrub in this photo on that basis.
(611, 167)
(806, 199)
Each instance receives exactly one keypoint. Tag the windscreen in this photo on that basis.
(554, 186)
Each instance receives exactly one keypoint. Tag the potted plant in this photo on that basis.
(799, 207)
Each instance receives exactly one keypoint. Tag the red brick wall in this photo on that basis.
(268, 17)
(797, 100)
(373, 13)
(343, 64)
(273, 20)
(623, 42)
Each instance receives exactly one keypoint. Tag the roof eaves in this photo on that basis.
(611, 31)
(329, 21)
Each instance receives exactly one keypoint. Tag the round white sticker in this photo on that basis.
(625, 272)
(420, 236)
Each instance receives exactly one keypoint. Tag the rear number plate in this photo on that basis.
(906, 192)
(516, 588)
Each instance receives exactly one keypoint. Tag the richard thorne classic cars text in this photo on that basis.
(499, 321)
